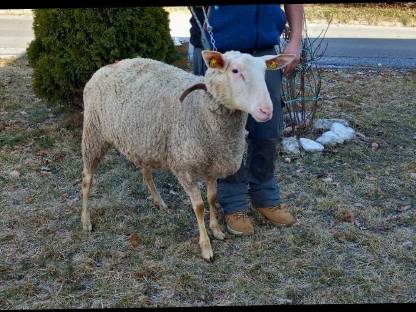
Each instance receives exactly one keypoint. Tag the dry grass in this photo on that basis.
(47, 262)
(344, 14)
(362, 15)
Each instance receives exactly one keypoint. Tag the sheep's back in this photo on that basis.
(136, 104)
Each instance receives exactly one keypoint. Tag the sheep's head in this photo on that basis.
(237, 80)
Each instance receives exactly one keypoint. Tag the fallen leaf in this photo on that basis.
(29, 199)
(41, 152)
(348, 216)
(142, 274)
(134, 240)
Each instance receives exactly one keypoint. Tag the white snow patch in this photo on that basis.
(325, 124)
(310, 145)
(346, 133)
(330, 138)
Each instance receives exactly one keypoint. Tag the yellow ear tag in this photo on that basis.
(272, 65)
(212, 62)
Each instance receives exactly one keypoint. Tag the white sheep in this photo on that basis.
(133, 105)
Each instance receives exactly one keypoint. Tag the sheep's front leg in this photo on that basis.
(212, 199)
(193, 191)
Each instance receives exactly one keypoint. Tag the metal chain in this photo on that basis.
(209, 30)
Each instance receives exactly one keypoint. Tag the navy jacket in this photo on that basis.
(241, 27)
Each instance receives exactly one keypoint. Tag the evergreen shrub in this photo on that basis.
(71, 44)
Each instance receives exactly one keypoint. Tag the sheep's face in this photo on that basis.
(237, 80)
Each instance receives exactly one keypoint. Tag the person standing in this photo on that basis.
(253, 29)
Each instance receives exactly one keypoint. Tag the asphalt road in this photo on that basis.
(357, 45)
(15, 35)
(396, 53)
(348, 45)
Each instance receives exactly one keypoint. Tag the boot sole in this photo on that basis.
(236, 232)
(268, 221)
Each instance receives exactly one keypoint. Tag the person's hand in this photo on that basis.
(292, 48)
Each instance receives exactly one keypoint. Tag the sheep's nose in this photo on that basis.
(266, 110)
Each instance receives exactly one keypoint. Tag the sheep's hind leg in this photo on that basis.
(212, 199)
(93, 150)
(193, 191)
(158, 201)
(85, 214)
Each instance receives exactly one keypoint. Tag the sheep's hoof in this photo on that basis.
(161, 205)
(209, 259)
(206, 252)
(86, 226)
(218, 234)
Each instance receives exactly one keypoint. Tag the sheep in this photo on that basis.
(133, 105)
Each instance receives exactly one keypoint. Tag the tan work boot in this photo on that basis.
(239, 223)
(277, 215)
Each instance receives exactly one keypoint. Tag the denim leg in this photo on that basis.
(198, 64)
(264, 190)
(232, 192)
(263, 138)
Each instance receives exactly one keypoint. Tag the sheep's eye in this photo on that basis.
(235, 71)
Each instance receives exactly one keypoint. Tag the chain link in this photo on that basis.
(214, 48)
(209, 30)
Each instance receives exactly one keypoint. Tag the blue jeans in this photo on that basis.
(255, 178)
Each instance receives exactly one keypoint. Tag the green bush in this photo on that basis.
(71, 44)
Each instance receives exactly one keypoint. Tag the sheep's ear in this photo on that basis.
(213, 59)
(274, 62)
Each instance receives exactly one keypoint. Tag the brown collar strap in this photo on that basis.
(197, 86)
